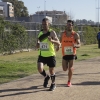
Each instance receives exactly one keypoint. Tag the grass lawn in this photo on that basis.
(23, 64)
(88, 51)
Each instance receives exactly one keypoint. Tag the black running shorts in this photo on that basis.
(50, 61)
(70, 57)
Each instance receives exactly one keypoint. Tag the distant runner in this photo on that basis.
(98, 38)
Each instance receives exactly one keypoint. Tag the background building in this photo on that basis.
(58, 17)
(38, 18)
(8, 9)
(1, 11)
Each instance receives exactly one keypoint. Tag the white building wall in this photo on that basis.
(1, 11)
(38, 18)
(5, 8)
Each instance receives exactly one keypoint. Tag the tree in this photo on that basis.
(90, 35)
(19, 9)
(18, 31)
(13, 36)
(2, 26)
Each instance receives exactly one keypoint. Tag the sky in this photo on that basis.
(78, 9)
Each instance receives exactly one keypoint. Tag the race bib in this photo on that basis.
(68, 50)
(44, 46)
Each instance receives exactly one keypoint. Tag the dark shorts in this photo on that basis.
(50, 61)
(70, 57)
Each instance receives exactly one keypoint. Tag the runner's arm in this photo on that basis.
(77, 39)
(53, 38)
(37, 44)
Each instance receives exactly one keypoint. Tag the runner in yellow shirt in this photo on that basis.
(45, 42)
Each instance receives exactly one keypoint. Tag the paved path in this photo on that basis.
(86, 85)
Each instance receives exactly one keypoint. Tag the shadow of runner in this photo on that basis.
(86, 73)
(20, 91)
(88, 83)
(62, 85)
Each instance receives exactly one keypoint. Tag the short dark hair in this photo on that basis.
(45, 19)
(71, 21)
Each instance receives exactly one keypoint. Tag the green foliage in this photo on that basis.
(57, 30)
(19, 9)
(75, 28)
(90, 34)
(2, 24)
(9, 43)
(19, 36)
(12, 37)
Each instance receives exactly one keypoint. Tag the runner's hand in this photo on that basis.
(49, 38)
(74, 45)
(57, 48)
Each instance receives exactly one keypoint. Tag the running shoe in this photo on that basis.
(52, 87)
(69, 84)
(45, 84)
